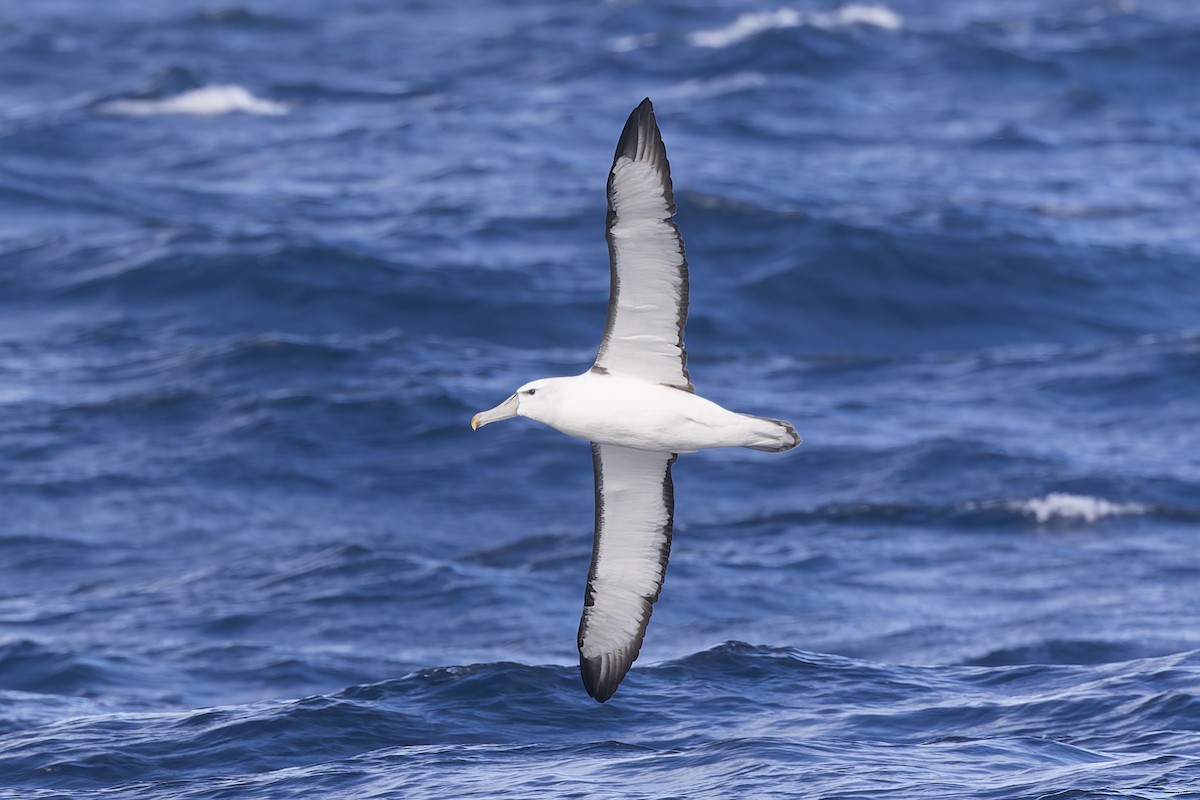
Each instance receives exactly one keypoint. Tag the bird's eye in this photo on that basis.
(531, 392)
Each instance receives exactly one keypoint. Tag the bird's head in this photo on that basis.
(531, 400)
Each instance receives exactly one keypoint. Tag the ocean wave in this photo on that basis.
(899, 286)
(983, 515)
(703, 88)
(626, 44)
(1059, 505)
(457, 725)
(40, 669)
(206, 101)
(312, 288)
(1066, 651)
(234, 17)
(753, 23)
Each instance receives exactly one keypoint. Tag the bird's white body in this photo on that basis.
(609, 408)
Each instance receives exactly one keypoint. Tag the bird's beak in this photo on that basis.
(506, 410)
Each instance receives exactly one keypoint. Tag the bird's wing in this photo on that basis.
(648, 298)
(635, 508)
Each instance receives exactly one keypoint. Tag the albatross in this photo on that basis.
(637, 407)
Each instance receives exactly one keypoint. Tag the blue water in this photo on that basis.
(261, 261)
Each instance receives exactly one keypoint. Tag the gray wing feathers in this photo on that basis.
(635, 507)
(648, 297)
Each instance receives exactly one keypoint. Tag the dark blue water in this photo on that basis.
(261, 261)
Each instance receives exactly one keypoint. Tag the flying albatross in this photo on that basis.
(637, 407)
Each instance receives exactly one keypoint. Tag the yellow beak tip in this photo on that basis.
(475, 422)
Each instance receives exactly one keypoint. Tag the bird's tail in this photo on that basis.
(773, 435)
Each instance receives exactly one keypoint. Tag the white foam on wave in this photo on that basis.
(625, 44)
(756, 22)
(1059, 505)
(207, 101)
(715, 87)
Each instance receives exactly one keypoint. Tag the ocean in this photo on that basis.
(260, 262)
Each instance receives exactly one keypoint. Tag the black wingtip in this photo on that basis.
(599, 686)
(640, 129)
(627, 145)
(641, 140)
